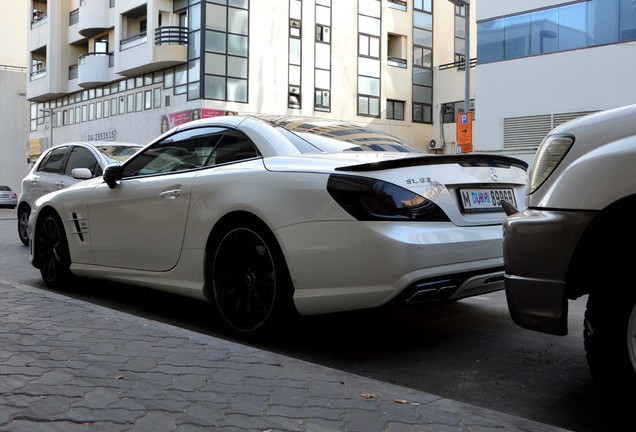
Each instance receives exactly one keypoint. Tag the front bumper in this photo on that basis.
(538, 246)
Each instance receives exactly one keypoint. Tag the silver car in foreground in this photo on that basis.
(576, 238)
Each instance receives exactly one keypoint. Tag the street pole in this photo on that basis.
(467, 62)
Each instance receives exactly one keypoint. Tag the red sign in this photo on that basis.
(464, 123)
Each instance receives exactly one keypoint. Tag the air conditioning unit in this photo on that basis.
(434, 145)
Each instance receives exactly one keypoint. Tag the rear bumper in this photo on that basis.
(538, 247)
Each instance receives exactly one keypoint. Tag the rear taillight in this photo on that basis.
(369, 199)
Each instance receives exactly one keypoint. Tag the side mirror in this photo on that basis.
(112, 174)
(81, 173)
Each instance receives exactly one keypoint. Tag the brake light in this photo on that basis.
(368, 199)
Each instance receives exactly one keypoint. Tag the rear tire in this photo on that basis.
(249, 281)
(23, 224)
(51, 247)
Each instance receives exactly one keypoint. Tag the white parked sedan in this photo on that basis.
(272, 216)
(56, 167)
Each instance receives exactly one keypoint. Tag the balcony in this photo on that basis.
(137, 55)
(95, 69)
(93, 18)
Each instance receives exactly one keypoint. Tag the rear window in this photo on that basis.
(4, 188)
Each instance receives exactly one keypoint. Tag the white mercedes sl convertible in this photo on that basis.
(271, 217)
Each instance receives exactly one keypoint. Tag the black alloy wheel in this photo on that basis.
(23, 224)
(52, 252)
(249, 281)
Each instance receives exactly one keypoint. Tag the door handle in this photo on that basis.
(170, 194)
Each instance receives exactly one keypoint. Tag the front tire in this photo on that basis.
(610, 341)
(23, 224)
(250, 281)
(51, 247)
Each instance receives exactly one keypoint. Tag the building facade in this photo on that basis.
(543, 62)
(14, 108)
(129, 69)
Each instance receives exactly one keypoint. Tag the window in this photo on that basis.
(81, 157)
(53, 161)
(394, 110)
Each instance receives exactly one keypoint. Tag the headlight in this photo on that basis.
(369, 199)
(549, 154)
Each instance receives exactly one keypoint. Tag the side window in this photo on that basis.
(185, 150)
(81, 157)
(53, 162)
(233, 147)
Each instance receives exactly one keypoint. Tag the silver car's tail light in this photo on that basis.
(368, 199)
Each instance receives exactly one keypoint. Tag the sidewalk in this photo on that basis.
(66, 365)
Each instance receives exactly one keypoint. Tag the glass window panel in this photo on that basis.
(422, 94)
(294, 75)
(460, 46)
(237, 67)
(323, 15)
(363, 105)
(130, 103)
(193, 91)
(369, 25)
(627, 22)
(370, 7)
(517, 34)
(460, 26)
(237, 21)
(239, 3)
(572, 26)
(194, 17)
(215, 41)
(91, 112)
(423, 20)
(323, 78)
(294, 51)
(237, 45)
(544, 30)
(106, 109)
(214, 87)
(157, 98)
(180, 75)
(602, 22)
(98, 110)
(423, 76)
(490, 41)
(295, 9)
(374, 47)
(139, 101)
(323, 54)
(168, 78)
(369, 86)
(363, 45)
(194, 45)
(215, 64)
(194, 71)
(374, 106)
(236, 90)
(422, 37)
(369, 67)
(113, 107)
(215, 17)
(422, 56)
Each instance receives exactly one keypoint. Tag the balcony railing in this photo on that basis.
(171, 35)
(135, 40)
(397, 62)
(37, 74)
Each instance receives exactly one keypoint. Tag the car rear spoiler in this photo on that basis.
(467, 160)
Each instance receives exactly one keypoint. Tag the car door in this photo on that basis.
(140, 223)
(48, 176)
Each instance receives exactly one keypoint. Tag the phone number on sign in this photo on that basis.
(108, 135)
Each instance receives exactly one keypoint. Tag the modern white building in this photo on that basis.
(14, 107)
(127, 69)
(543, 62)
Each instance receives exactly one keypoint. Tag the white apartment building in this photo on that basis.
(128, 69)
(543, 62)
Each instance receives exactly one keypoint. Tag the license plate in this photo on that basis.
(482, 200)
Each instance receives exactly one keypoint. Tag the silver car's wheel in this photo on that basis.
(249, 281)
(23, 224)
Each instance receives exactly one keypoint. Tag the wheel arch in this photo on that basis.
(597, 256)
(232, 218)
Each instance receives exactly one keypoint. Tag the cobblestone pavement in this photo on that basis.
(66, 365)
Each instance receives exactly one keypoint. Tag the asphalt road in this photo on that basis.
(469, 350)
